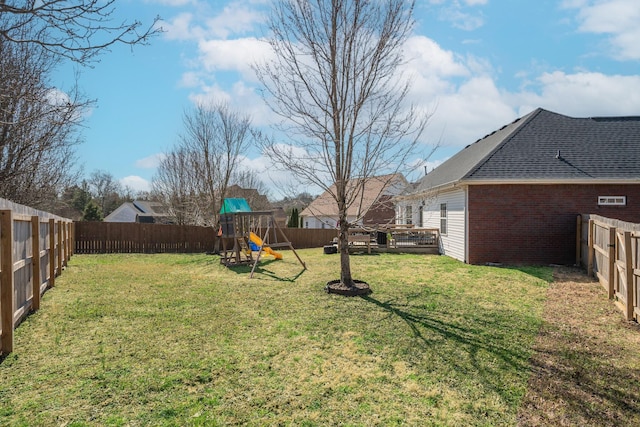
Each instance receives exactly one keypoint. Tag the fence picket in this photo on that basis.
(614, 245)
(29, 242)
(7, 285)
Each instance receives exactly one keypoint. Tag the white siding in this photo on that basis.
(453, 243)
(320, 222)
(401, 212)
(324, 222)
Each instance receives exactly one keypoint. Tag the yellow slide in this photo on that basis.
(258, 241)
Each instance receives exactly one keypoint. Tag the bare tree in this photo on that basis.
(196, 174)
(335, 80)
(106, 191)
(76, 30)
(39, 124)
(173, 185)
(38, 127)
(256, 192)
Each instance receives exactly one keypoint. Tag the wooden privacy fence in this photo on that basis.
(34, 247)
(116, 237)
(613, 256)
(124, 237)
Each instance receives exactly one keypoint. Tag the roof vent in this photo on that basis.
(558, 156)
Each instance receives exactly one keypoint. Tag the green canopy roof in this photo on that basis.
(234, 206)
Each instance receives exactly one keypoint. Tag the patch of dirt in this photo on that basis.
(586, 361)
(337, 287)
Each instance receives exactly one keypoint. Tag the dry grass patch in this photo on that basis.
(586, 365)
(181, 340)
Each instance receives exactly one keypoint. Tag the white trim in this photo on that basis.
(551, 181)
(466, 224)
(612, 200)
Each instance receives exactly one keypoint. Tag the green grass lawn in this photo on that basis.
(181, 340)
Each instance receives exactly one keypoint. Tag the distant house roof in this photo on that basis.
(140, 211)
(126, 212)
(326, 206)
(544, 146)
(256, 200)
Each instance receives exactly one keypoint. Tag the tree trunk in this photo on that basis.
(345, 262)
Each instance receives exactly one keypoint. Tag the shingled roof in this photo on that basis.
(326, 206)
(542, 147)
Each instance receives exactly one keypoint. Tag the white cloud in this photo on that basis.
(426, 55)
(616, 18)
(462, 90)
(462, 20)
(233, 55)
(174, 3)
(190, 79)
(135, 183)
(478, 106)
(474, 109)
(182, 27)
(457, 13)
(150, 162)
(236, 18)
(584, 94)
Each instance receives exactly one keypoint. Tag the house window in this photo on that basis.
(420, 211)
(408, 215)
(612, 200)
(443, 218)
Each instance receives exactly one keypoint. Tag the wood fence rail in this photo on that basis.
(113, 237)
(613, 256)
(122, 237)
(34, 247)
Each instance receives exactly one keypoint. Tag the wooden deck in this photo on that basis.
(395, 240)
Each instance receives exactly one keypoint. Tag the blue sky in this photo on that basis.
(477, 64)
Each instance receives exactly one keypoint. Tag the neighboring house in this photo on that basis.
(373, 206)
(513, 197)
(140, 211)
(257, 201)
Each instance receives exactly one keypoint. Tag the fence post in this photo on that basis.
(7, 301)
(72, 238)
(590, 243)
(578, 240)
(612, 261)
(52, 252)
(35, 262)
(65, 243)
(59, 253)
(629, 275)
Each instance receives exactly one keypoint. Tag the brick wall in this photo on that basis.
(382, 212)
(536, 224)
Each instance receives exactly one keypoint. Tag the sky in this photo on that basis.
(477, 65)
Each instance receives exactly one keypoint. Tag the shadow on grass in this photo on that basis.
(263, 271)
(479, 348)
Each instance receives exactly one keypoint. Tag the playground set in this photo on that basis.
(240, 229)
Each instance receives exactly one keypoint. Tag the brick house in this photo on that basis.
(513, 196)
(370, 205)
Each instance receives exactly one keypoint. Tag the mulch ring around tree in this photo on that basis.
(337, 287)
